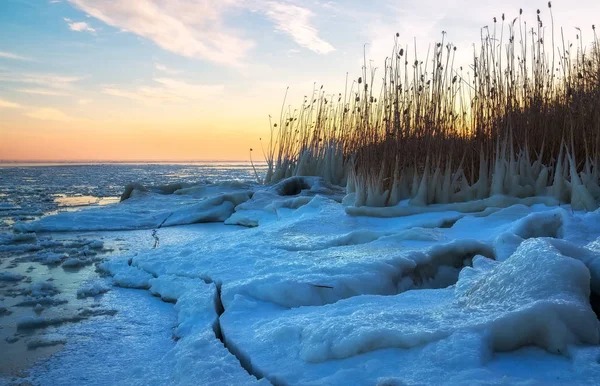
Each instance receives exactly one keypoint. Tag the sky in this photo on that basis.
(183, 80)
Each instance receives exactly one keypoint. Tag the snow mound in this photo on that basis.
(291, 193)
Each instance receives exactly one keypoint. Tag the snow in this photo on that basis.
(200, 358)
(313, 291)
(291, 193)
(536, 297)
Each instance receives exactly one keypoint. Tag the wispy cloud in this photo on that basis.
(167, 90)
(80, 26)
(41, 91)
(10, 55)
(199, 29)
(9, 105)
(142, 95)
(189, 28)
(52, 114)
(47, 80)
(295, 21)
(166, 70)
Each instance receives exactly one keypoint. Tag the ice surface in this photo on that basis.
(461, 294)
(199, 356)
(142, 211)
(536, 297)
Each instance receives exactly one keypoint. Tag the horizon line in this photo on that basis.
(124, 161)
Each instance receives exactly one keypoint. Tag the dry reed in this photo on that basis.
(523, 120)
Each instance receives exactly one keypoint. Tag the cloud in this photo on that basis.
(10, 55)
(51, 114)
(141, 95)
(166, 69)
(199, 28)
(41, 91)
(84, 102)
(295, 22)
(47, 80)
(167, 90)
(9, 105)
(189, 28)
(80, 26)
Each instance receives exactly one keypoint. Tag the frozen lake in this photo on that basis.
(31, 191)
(201, 276)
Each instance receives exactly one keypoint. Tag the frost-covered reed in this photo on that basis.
(523, 120)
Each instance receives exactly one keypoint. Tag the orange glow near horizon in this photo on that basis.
(135, 143)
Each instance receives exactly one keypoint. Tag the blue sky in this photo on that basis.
(107, 70)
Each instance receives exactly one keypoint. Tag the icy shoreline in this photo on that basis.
(309, 294)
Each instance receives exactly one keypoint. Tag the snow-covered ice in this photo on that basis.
(309, 290)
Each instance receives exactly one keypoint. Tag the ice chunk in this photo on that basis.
(200, 357)
(93, 288)
(75, 262)
(537, 296)
(49, 257)
(46, 340)
(171, 287)
(145, 211)
(10, 276)
(42, 289)
(125, 275)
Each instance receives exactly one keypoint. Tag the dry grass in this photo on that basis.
(523, 120)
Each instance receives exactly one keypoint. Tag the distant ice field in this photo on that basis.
(31, 190)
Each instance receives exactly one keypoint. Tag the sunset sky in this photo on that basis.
(197, 79)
